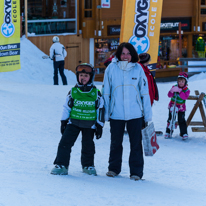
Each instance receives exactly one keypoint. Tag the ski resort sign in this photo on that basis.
(9, 35)
(105, 4)
(140, 26)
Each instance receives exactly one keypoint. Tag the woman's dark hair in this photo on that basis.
(131, 49)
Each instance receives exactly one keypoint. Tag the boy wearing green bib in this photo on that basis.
(83, 112)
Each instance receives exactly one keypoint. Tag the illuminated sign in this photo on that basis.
(173, 24)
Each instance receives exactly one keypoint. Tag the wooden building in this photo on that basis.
(91, 33)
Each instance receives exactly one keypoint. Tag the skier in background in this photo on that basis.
(109, 60)
(182, 92)
(83, 111)
(57, 54)
(145, 58)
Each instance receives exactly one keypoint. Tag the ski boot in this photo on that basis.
(134, 177)
(167, 136)
(111, 174)
(90, 170)
(59, 170)
(184, 136)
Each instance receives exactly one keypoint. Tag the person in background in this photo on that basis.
(181, 92)
(83, 112)
(126, 96)
(145, 58)
(58, 53)
(109, 60)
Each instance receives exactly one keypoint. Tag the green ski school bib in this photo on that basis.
(84, 104)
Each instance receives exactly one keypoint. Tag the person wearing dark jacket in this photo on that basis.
(83, 112)
(109, 60)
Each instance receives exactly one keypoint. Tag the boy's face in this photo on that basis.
(181, 82)
(84, 78)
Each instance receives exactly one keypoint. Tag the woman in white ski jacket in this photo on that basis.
(127, 102)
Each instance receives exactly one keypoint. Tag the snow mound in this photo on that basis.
(34, 69)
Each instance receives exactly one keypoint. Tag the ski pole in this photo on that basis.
(173, 118)
(48, 57)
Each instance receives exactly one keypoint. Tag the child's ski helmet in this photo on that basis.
(85, 68)
(183, 75)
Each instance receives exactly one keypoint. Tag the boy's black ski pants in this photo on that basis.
(67, 141)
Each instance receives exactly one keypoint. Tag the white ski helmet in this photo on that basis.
(55, 39)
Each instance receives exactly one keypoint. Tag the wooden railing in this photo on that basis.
(199, 98)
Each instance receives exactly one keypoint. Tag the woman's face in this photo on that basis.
(125, 55)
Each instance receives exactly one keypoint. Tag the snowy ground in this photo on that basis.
(30, 108)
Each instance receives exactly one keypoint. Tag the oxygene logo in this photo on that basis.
(140, 40)
(7, 28)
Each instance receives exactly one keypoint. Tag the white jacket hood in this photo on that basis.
(123, 65)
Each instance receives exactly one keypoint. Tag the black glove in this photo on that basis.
(144, 124)
(63, 125)
(98, 131)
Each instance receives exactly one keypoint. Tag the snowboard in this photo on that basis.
(158, 133)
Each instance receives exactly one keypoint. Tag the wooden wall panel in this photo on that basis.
(115, 11)
(88, 28)
(44, 43)
(177, 8)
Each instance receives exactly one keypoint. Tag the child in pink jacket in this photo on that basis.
(181, 92)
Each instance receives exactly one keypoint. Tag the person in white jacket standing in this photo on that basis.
(57, 54)
(127, 102)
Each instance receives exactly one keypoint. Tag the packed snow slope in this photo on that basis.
(30, 111)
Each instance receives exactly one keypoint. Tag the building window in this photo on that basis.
(104, 49)
(87, 8)
(203, 7)
(169, 49)
(50, 16)
(203, 11)
(88, 4)
(203, 2)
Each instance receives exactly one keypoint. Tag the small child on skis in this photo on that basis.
(181, 92)
(83, 111)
